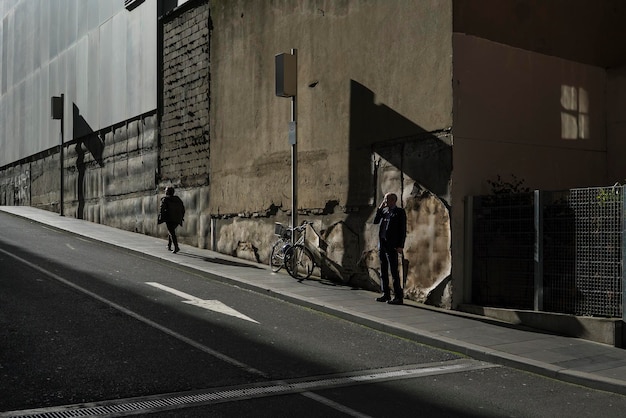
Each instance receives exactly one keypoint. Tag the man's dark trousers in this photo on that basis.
(389, 261)
(171, 229)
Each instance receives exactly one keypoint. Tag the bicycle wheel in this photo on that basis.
(277, 257)
(299, 262)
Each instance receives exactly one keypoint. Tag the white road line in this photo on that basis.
(303, 387)
(334, 405)
(141, 318)
(181, 400)
(212, 305)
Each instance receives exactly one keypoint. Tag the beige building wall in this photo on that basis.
(387, 91)
(616, 129)
(516, 112)
(374, 110)
(356, 61)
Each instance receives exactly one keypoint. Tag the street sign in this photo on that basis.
(286, 75)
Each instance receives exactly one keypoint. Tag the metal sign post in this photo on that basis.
(538, 252)
(287, 86)
(56, 110)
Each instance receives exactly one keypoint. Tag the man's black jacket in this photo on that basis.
(172, 210)
(393, 231)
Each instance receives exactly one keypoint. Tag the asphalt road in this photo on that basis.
(86, 323)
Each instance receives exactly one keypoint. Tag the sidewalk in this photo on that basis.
(568, 359)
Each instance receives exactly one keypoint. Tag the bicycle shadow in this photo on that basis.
(215, 260)
(315, 279)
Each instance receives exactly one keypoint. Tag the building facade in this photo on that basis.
(429, 100)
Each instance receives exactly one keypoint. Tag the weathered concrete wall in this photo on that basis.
(372, 119)
(15, 185)
(354, 90)
(109, 178)
(375, 101)
(418, 170)
(369, 73)
(34, 182)
(115, 176)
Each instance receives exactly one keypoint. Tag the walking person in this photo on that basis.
(391, 236)
(172, 213)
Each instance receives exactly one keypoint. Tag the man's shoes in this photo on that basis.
(383, 298)
(176, 250)
(395, 301)
(169, 248)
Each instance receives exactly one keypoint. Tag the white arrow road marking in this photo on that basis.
(212, 305)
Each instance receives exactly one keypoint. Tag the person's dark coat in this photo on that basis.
(394, 232)
(172, 210)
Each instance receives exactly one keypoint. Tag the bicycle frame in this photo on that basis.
(292, 254)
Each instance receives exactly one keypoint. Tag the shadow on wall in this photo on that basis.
(390, 153)
(88, 142)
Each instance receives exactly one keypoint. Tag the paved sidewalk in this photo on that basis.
(569, 359)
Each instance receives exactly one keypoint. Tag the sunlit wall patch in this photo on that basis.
(574, 113)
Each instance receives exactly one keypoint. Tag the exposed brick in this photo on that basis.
(184, 149)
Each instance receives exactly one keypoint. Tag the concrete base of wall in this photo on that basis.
(602, 330)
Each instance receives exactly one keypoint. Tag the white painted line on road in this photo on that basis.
(334, 405)
(212, 305)
(141, 318)
(174, 401)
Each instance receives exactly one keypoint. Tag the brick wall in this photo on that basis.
(185, 119)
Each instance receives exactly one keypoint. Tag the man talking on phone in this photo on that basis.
(391, 236)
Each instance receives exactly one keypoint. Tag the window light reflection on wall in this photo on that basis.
(574, 113)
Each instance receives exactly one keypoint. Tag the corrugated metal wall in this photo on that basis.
(102, 57)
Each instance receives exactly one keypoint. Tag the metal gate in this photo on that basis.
(558, 251)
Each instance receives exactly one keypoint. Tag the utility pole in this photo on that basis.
(287, 86)
(56, 106)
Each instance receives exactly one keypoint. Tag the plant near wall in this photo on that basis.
(514, 186)
(506, 192)
(609, 194)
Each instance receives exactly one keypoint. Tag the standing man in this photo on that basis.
(172, 212)
(392, 234)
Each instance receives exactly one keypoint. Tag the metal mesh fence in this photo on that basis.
(588, 255)
(559, 250)
(582, 251)
(503, 247)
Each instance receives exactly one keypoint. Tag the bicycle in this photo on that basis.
(297, 258)
(280, 247)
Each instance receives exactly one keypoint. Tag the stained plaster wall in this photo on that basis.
(369, 74)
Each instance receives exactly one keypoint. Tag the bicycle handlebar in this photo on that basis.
(301, 227)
